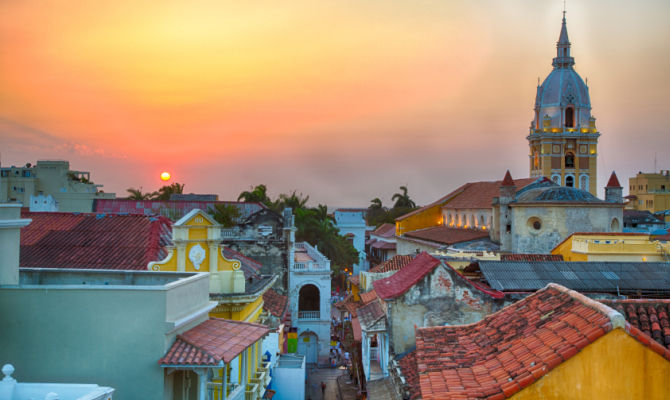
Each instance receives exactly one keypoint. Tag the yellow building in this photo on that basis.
(650, 191)
(197, 247)
(553, 344)
(563, 138)
(594, 246)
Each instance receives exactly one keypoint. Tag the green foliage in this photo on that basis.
(136, 194)
(166, 191)
(257, 194)
(225, 214)
(377, 214)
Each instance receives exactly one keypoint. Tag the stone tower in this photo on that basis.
(507, 192)
(563, 138)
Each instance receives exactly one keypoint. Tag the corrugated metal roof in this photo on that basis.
(586, 276)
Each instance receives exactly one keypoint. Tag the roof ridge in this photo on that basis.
(615, 317)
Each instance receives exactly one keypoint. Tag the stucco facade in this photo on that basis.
(442, 297)
(351, 223)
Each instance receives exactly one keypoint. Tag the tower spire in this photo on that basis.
(563, 59)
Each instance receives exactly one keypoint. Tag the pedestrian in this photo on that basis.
(323, 389)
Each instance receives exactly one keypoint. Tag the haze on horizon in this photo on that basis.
(342, 101)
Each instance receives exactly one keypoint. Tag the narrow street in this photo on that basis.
(327, 375)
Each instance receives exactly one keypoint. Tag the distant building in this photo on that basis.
(173, 209)
(382, 244)
(50, 184)
(594, 246)
(542, 214)
(641, 221)
(351, 223)
(563, 138)
(649, 191)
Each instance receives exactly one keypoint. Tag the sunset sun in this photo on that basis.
(165, 176)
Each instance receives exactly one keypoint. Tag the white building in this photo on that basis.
(351, 223)
(309, 297)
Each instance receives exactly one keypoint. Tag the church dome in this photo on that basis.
(557, 194)
(563, 98)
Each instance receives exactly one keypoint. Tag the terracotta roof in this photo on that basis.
(385, 230)
(275, 303)
(531, 257)
(511, 349)
(507, 180)
(213, 341)
(369, 314)
(400, 282)
(380, 244)
(395, 263)
(613, 182)
(447, 235)
(409, 370)
(471, 195)
(356, 327)
(93, 241)
(354, 280)
(249, 266)
(649, 316)
(368, 296)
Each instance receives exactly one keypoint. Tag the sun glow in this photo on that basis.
(165, 176)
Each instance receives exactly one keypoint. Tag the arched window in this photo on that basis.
(569, 160)
(569, 181)
(556, 179)
(570, 117)
(584, 182)
(309, 302)
(615, 225)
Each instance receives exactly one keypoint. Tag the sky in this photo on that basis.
(343, 101)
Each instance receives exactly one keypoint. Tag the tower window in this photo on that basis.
(569, 160)
(569, 181)
(570, 117)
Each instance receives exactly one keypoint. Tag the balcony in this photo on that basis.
(308, 259)
(309, 315)
(253, 391)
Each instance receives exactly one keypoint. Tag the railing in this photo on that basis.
(309, 314)
(252, 392)
(230, 233)
(310, 266)
(312, 252)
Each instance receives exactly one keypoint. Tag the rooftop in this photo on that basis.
(385, 230)
(275, 303)
(403, 280)
(93, 241)
(509, 350)
(640, 278)
(110, 279)
(648, 315)
(447, 236)
(395, 263)
(213, 341)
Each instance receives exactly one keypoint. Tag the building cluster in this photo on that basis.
(517, 288)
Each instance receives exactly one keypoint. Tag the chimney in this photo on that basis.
(10, 242)
(613, 190)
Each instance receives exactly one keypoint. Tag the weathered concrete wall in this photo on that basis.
(405, 247)
(440, 298)
(557, 222)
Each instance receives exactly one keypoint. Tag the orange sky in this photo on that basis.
(343, 101)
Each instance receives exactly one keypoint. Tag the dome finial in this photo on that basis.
(563, 59)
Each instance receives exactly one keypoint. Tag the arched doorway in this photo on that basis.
(308, 346)
(309, 302)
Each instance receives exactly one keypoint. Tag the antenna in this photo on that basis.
(655, 163)
(563, 8)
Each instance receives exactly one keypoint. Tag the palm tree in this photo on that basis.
(225, 214)
(257, 194)
(136, 194)
(166, 191)
(402, 199)
(294, 201)
(375, 204)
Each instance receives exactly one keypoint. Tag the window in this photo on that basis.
(615, 225)
(569, 160)
(534, 223)
(570, 117)
(569, 181)
(508, 228)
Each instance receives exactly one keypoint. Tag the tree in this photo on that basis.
(225, 214)
(402, 200)
(136, 194)
(294, 201)
(257, 194)
(166, 191)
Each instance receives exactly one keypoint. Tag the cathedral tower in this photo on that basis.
(563, 138)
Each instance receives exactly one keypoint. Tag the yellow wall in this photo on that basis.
(355, 291)
(616, 366)
(431, 216)
(634, 248)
